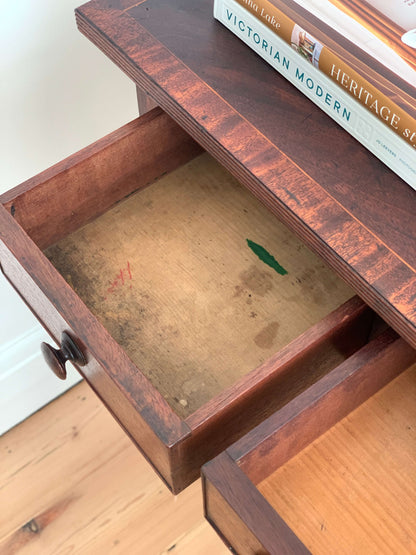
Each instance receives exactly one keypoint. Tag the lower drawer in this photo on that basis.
(195, 312)
(316, 477)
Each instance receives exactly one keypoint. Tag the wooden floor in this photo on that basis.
(72, 482)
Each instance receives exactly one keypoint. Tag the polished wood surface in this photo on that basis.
(233, 502)
(177, 448)
(339, 198)
(244, 519)
(326, 402)
(140, 409)
(72, 482)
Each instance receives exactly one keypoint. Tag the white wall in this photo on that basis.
(58, 93)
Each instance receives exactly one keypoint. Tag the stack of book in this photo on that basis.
(355, 59)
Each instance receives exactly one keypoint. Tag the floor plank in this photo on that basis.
(71, 482)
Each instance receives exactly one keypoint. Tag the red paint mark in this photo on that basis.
(120, 279)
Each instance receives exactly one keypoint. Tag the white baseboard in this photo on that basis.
(26, 383)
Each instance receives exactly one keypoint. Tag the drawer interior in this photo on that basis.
(196, 280)
(353, 489)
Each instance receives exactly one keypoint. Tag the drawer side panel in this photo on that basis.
(83, 186)
(315, 410)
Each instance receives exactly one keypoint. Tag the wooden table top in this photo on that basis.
(339, 198)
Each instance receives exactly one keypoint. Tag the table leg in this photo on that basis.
(145, 101)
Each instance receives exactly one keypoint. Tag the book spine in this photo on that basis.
(332, 99)
(334, 67)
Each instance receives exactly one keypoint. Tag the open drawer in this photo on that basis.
(191, 311)
(321, 477)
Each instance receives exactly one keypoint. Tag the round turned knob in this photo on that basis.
(56, 358)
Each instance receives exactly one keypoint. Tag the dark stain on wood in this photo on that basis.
(32, 529)
(256, 281)
(32, 526)
(266, 337)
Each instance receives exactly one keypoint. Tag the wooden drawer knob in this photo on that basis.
(56, 358)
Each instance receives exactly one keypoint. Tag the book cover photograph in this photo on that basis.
(360, 21)
(354, 58)
(392, 21)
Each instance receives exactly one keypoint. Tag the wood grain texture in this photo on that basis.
(341, 201)
(311, 354)
(241, 515)
(269, 387)
(175, 447)
(72, 482)
(136, 404)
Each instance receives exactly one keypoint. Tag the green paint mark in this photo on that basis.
(266, 257)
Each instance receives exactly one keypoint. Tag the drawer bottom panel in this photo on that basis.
(197, 281)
